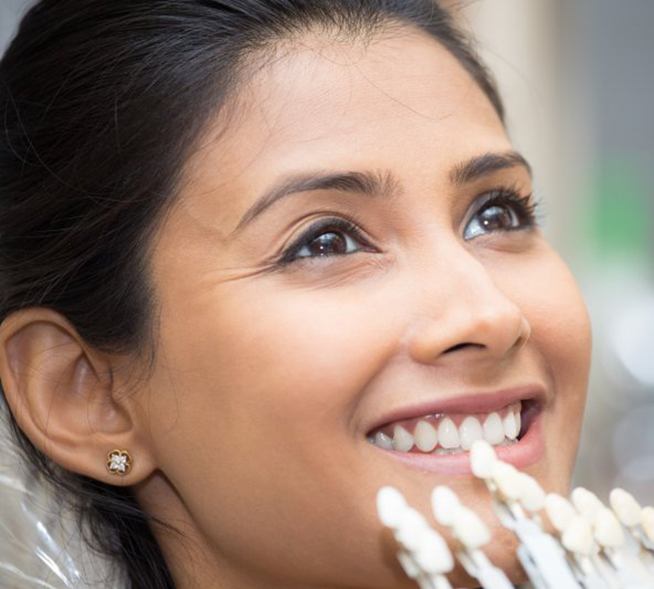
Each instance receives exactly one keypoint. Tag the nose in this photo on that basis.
(465, 310)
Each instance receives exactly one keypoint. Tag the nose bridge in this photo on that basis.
(461, 305)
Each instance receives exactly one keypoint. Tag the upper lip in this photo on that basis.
(469, 403)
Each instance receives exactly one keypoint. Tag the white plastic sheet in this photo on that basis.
(40, 543)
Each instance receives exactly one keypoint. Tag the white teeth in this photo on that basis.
(469, 432)
(493, 429)
(383, 441)
(426, 436)
(510, 426)
(402, 439)
(448, 433)
(442, 436)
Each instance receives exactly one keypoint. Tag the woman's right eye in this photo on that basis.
(326, 238)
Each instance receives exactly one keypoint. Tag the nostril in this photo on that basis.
(461, 346)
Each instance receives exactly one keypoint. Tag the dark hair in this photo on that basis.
(101, 103)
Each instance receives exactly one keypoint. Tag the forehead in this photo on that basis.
(400, 101)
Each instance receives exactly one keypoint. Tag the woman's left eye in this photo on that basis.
(501, 210)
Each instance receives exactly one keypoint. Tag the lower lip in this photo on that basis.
(529, 450)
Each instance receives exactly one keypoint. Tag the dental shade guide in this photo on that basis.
(472, 534)
(639, 521)
(595, 547)
(610, 536)
(423, 554)
(647, 527)
(513, 495)
(637, 547)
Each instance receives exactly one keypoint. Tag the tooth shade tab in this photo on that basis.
(432, 554)
(586, 503)
(625, 507)
(578, 536)
(482, 457)
(507, 479)
(444, 505)
(469, 529)
(607, 529)
(409, 528)
(390, 506)
(559, 511)
(647, 521)
(532, 496)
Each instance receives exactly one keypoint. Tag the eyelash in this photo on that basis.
(524, 207)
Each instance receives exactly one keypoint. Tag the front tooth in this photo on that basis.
(448, 434)
(383, 441)
(493, 429)
(426, 436)
(470, 431)
(402, 439)
(510, 426)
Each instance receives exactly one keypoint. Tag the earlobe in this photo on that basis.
(64, 398)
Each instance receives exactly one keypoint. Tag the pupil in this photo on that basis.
(495, 218)
(328, 243)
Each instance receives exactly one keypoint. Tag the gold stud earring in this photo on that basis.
(119, 462)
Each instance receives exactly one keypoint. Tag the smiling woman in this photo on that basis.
(259, 259)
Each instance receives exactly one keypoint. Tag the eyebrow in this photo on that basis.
(376, 183)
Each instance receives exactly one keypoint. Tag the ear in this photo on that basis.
(64, 397)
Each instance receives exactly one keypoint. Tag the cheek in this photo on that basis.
(287, 369)
(259, 408)
(561, 340)
(545, 290)
(561, 328)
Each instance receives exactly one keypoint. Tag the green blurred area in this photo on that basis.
(620, 220)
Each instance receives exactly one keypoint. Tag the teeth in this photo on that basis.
(426, 436)
(511, 426)
(383, 441)
(518, 422)
(440, 434)
(448, 434)
(402, 439)
(469, 432)
(493, 429)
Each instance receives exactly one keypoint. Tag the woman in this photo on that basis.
(258, 260)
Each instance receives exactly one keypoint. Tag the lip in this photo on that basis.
(473, 403)
(528, 450)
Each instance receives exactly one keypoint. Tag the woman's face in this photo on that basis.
(427, 293)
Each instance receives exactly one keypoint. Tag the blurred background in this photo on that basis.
(577, 78)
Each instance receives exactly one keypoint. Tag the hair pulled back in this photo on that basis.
(101, 103)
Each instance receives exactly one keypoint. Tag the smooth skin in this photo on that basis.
(250, 433)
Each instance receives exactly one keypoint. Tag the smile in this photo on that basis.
(440, 438)
(451, 434)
